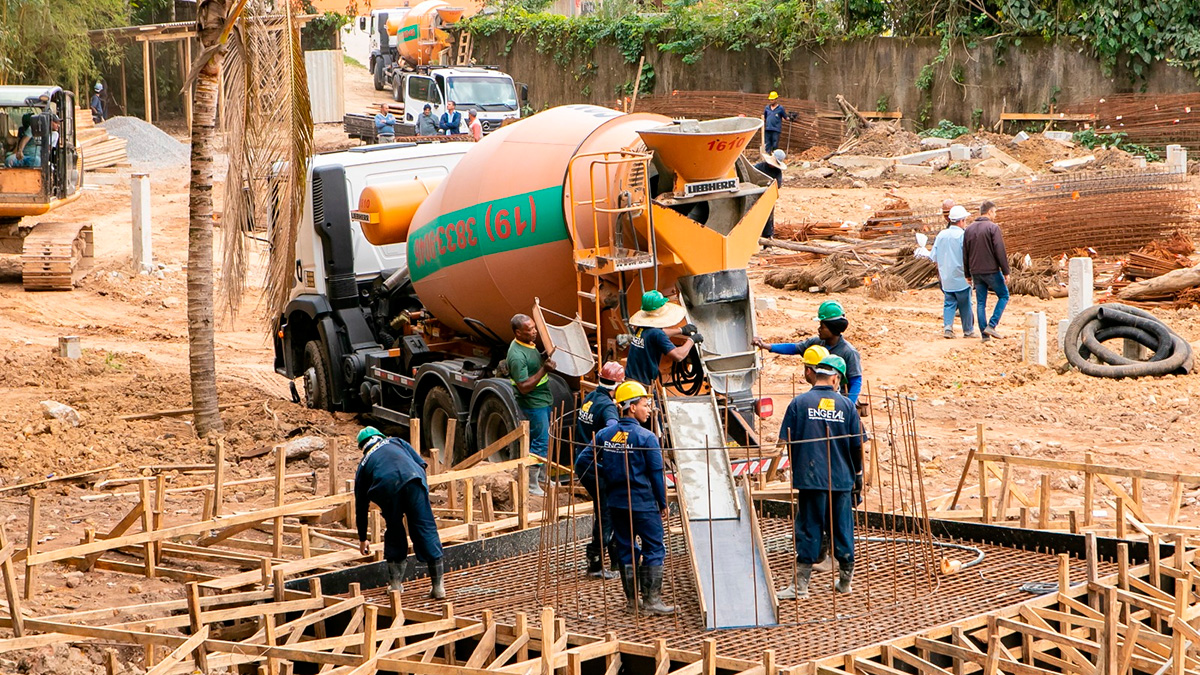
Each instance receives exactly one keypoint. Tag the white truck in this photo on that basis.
(491, 93)
(378, 53)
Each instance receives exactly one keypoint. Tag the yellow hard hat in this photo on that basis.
(814, 355)
(628, 390)
(772, 96)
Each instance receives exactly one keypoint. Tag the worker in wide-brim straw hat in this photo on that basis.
(653, 327)
(772, 166)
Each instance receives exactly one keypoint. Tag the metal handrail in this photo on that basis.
(608, 159)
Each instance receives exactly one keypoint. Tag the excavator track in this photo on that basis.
(53, 253)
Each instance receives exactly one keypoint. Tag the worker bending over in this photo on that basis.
(653, 327)
(597, 413)
(832, 322)
(822, 430)
(631, 464)
(392, 475)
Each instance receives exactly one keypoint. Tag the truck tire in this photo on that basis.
(317, 381)
(378, 72)
(436, 412)
(396, 93)
(493, 421)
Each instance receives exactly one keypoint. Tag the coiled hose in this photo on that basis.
(1096, 324)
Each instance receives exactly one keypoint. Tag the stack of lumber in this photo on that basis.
(99, 150)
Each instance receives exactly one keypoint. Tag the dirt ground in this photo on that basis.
(134, 335)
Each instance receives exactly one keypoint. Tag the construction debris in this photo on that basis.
(1149, 119)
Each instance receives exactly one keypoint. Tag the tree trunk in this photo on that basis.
(201, 357)
(1171, 282)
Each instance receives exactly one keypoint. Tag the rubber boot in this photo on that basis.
(845, 575)
(596, 569)
(629, 586)
(396, 572)
(535, 487)
(826, 564)
(651, 579)
(799, 587)
(613, 565)
(437, 573)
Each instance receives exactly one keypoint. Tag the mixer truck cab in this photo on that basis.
(490, 93)
(412, 259)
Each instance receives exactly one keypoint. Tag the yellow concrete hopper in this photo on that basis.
(701, 151)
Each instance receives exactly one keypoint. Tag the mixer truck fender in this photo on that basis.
(297, 326)
(436, 399)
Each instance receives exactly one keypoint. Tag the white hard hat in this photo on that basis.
(958, 213)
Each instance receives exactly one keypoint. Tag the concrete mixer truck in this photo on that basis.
(412, 259)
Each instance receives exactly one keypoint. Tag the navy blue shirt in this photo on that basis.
(648, 348)
(388, 465)
(825, 438)
(631, 465)
(450, 122)
(774, 118)
(597, 412)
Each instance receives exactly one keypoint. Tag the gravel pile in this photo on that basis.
(148, 146)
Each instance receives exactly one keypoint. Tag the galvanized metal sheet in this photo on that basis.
(733, 578)
(325, 76)
(703, 474)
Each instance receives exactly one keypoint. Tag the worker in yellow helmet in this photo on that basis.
(632, 466)
(812, 358)
(773, 116)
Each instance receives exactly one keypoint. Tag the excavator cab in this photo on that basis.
(40, 169)
(41, 162)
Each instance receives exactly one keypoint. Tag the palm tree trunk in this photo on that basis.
(201, 356)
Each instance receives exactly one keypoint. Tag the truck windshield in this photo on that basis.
(487, 93)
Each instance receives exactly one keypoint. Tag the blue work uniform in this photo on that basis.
(646, 351)
(631, 466)
(597, 412)
(772, 125)
(823, 430)
(852, 383)
(392, 475)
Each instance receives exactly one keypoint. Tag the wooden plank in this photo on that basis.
(55, 479)
(181, 652)
(488, 451)
(1047, 117)
(10, 588)
(1099, 469)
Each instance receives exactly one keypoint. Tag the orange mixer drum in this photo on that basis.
(420, 35)
(493, 236)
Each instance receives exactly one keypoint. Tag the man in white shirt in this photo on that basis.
(948, 254)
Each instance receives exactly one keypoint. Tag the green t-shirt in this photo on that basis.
(523, 362)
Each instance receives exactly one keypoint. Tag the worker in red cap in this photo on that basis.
(597, 412)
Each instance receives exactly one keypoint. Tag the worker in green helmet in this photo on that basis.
(653, 327)
(392, 475)
(831, 324)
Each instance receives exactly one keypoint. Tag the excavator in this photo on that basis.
(42, 169)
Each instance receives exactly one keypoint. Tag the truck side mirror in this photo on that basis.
(362, 23)
(524, 93)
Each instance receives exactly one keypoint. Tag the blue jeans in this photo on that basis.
(957, 302)
(771, 140)
(813, 520)
(539, 429)
(993, 282)
(647, 527)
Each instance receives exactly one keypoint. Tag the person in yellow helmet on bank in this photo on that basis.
(773, 116)
(631, 464)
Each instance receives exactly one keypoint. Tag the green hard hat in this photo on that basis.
(830, 309)
(652, 300)
(367, 432)
(836, 362)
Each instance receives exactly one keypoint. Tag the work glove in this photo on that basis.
(856, 493)
(697, 338)
(689, 329)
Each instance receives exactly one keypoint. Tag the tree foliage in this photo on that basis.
(46, 42)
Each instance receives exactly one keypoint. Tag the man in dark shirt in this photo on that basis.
(986, 264)
(773, 116)
(597, 412)
(632, 466)
(773, 166)
(653, 327)
(832, 322)
(822, 430)
(99, 114)
(392, 475)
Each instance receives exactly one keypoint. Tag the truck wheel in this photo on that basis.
(492, 422)
(436, 412)
(396, 93)
(316, 377)
(379, 83)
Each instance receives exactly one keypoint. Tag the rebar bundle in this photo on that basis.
(817, 124)
(1150, 119)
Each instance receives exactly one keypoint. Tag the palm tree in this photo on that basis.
(265, 115)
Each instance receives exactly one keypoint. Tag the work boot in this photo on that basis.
(535, 488)
(845, 574)
(628, 585)
(991, 332)
(613, 563)
(596, 569)
(799, 587)
(396, 572)
(650, 578)
(437, 572)
(948, 333)
(825, 564)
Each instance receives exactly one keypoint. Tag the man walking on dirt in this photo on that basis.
(773, 115)
(956, 292)
(987, 267)
(822, 430)
(529, 373)
(392, 475)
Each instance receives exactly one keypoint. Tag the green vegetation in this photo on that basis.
(46, 42)
(944, 129)
(1091, 140)
(321, 33)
